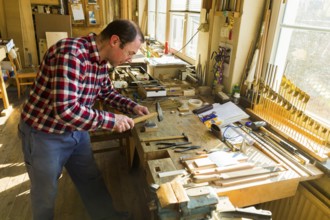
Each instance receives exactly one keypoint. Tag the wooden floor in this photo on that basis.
(126, 185)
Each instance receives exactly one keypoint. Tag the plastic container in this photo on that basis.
(236, 98)
(166, 48)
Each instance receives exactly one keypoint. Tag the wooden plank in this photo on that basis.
(179, 192)
(171, 173)
(231, 182)
(255, 193)
(158, 166)
(218, 170)
(29, 49)
(166, 195)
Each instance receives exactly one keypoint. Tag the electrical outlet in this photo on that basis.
(224, 32)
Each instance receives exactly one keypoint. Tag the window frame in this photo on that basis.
(273, 45)
(168, 29)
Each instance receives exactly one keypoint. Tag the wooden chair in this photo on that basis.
(23, 76)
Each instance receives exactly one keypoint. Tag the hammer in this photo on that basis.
(159, 114)
(184, 136)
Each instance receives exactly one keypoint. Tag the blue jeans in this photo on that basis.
(45, 156)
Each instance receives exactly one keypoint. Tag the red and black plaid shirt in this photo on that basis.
(70, 79)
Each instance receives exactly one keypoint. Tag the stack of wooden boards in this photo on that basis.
(227, 169)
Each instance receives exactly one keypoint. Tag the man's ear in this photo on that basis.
(114, 39)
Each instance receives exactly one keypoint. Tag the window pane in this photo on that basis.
(151, 24)
(191, 48)
(179, 5)
(151, 5)
(194, 5)
(308, 13)
(161, 27)
(308, 57)
(161, 6)
(176, 34)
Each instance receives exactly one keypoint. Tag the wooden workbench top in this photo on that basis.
(156, 160)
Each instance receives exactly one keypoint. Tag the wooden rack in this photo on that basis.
(285, 112)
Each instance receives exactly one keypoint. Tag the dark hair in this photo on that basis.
(126, 30)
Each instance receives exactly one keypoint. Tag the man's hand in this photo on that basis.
(140, 110)
(122, 123)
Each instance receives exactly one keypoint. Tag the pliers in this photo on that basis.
(171, 145)
(185, 148)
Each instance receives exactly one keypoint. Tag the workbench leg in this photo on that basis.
(130, 150)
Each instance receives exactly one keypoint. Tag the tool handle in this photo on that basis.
(161, 138)
(285, 145)
(144, 117)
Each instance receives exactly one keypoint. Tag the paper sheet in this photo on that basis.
(227, 113)
(77, 12)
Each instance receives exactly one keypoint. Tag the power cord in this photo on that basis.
(201, 26)
(231, 126)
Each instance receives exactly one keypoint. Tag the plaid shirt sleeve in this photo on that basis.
(111, 96)
(72, 95)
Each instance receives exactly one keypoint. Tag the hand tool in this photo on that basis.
(193, 157)
(291, 149)
(183, 136)
(202, 109)
(144, 117)
(150, 126)
(171, 145)
(159, 114)
(185, 148)
(294, 165)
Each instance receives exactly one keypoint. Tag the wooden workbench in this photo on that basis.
(154, 160)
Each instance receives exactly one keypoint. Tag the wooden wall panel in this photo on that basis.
(19, 23)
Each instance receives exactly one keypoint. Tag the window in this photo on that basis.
(152, 18)
(184, 20)
(157, 19)
(303, 52)
(183, 23)
(161, 21)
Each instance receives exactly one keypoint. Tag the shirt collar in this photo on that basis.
(94, 52)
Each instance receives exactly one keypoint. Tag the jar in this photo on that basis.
(236, 98)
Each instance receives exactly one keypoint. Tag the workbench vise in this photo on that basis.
(175, 202)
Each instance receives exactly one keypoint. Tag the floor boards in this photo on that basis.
(126, 185)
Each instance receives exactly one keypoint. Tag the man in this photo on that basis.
(59, 112)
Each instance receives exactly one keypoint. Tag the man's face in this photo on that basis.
(117, 55)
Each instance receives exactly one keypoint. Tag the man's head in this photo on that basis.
(119, 41)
